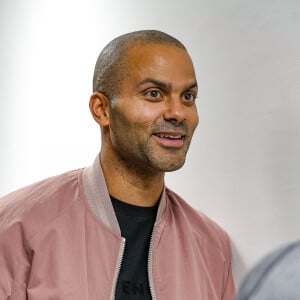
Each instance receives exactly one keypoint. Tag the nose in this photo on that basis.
(175, 110)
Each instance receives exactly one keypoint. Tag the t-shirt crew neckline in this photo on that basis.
(132, 210)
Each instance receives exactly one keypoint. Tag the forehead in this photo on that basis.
(164, 62)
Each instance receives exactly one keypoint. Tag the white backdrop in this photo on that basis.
(243, 169)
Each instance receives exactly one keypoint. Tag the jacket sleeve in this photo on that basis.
(14, 264)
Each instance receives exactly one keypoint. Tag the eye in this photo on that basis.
(190, 97)
(153, 95)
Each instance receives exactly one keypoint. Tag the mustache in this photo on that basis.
(170, 125)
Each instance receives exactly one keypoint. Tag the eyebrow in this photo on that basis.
(159, 83)
(191, 86)
(164, 85)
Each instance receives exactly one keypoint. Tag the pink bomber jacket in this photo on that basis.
(60, 239)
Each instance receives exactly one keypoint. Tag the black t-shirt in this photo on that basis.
(136, 224)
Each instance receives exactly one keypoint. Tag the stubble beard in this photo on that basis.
(162, 161)
(144, 156)
(144, 159)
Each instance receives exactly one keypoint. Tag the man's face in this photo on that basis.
(153, 118)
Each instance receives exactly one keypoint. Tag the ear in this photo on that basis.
(100, 109)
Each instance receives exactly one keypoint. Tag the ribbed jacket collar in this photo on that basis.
(99, 200)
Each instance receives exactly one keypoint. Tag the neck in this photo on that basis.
(132, 185)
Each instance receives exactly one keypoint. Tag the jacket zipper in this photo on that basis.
(118, 268)
(150, 269)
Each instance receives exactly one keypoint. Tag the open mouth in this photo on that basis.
(169, 136)
(170, 139)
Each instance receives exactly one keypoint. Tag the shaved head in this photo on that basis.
(111, 66)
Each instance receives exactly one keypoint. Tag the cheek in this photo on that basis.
(148, 110)
(193, 119)
(144, 114)
(128, 124)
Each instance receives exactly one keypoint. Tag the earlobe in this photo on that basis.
(100, 108)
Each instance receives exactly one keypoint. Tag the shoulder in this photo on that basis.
(39, 201)
(201, 226)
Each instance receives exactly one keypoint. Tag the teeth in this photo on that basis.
(163, 135)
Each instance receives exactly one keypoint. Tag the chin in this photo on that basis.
(173, 169)
(171, 166)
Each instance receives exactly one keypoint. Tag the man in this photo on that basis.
(113, 230)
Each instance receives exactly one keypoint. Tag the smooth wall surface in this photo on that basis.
(243, 167)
